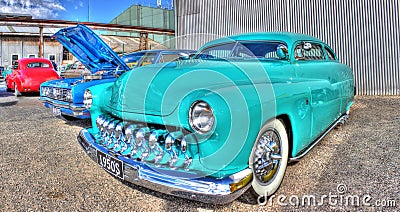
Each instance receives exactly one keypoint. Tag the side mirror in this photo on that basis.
(282, 52)
(184, 56)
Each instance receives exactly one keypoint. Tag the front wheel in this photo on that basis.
(269, 157)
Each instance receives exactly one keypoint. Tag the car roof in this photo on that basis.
(287, 37)
(27, 60)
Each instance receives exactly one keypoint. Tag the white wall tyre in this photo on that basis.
(16, 91)
(269, 158)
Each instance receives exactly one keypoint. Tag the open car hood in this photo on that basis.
(90, 49)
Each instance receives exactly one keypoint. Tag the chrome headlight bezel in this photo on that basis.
(88, 99)
(201, 117)
(68, 96)
(45, 91)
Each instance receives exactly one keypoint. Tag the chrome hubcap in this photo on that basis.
(267, 156)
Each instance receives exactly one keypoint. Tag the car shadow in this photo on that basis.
(174, 201)
(84, 123)
(7, 99)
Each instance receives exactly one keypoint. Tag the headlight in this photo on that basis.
(69, 96)
(87, 99)
(45, 91)
(201, 117)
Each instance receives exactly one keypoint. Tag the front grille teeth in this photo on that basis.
(137, 141)
(61, 94)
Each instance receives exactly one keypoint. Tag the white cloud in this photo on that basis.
(81, 4)
(40, 9)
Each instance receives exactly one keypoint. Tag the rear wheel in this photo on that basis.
(269, 157)
(8, 89)
(16, 91)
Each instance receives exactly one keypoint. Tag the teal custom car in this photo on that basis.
(230, 119)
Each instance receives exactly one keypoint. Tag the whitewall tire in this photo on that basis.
(269, 158)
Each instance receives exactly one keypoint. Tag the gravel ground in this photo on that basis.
(42, 167)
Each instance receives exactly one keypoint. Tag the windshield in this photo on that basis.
(148, 58)
(242, 49)
(130, 58)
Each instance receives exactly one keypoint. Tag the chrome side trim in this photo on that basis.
(176, 183)
(338, 122)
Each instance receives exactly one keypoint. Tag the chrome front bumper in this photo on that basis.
(66, 108)
(177, 183)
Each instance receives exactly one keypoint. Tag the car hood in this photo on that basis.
(63, 83)
(158, 89)
(90, 49)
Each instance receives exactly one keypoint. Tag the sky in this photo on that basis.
(101, 11)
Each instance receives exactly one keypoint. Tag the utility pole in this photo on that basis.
(41, 42)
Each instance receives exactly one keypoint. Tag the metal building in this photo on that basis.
(365, 33)
(22, 42)
(137, 15)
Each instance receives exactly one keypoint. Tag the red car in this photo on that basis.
(29, 73)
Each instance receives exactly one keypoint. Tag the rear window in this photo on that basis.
(309, 51)
(38, 65)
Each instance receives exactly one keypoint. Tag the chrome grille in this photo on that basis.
(61, 94)
(150, 144)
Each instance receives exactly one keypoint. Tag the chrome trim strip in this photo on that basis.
(339, 121)
(77, 108)
(203, 189)
(71, 107)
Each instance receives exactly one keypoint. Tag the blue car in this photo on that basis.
(65, 96)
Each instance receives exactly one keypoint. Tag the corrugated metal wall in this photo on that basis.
(364, 33)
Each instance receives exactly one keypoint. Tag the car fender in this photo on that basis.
(100, 93)
(230, 143)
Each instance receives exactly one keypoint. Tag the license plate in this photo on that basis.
(56, 111)
(110, 164)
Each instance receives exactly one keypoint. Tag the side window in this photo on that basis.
(309, 51)
(329, 52)
(168, 58)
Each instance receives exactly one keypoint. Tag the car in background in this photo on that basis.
(132, 59)
(1, 71)
(8, 70)
(228, 120)
(74, 70)
(65, 96)
(29, 73)
(147, 57)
